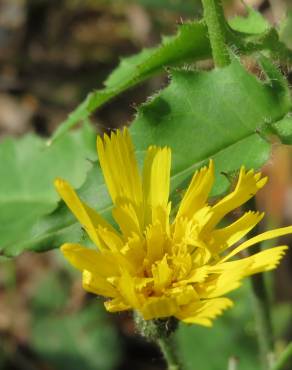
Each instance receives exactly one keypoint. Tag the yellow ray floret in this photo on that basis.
(161, 268)
(197, 193)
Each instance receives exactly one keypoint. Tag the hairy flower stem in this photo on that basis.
(167, 347)
(215, 20)
(161, 333)
(284, 358)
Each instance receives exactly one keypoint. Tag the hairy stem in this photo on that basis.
(167, 347)
(215, 20)
(160, 332)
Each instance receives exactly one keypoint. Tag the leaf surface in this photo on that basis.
(190, 43)
(252, 23)
(26, 187)
(200, 115)
(283, 129)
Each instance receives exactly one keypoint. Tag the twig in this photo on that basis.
(215, 20)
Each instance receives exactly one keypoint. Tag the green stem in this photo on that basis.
(160, 332)
(215, 20)
(284, 358)
(167, 347)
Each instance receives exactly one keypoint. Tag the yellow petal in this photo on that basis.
(180, 229)
(116, 305)
(183, 295)
(156, 180)
(203, 312)
(197, 275)
(97, 285)
(201, 256)
(263, 261)
(266, 260)
(187, 232)
(202, 216)
(111, 239)
(126, 286)
(197, 193)
(91, 260)
(160, 214)
(144, 285)
(155, 243)
(162, 274)
(216, 285)
(221, 239)
(119, 166)
(128, 256)
(247, 186)
(134, 253)
(88, 218)
(127, 218)
(158, 307)
(271, 234)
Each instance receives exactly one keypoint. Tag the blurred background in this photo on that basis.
(52, 53)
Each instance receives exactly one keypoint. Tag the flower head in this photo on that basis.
(159, 266)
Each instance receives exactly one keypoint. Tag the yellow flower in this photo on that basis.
(163, 268)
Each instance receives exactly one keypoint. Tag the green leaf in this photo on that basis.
(253, 33)
(83, 340)
(53, 230)
(26, 187)
(214, 115)
(200, 115)
(252, 23)
(283, 129)
(190, 43)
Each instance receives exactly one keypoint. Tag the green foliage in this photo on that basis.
(190, 43)
(217, 105)
(82, 340)
(26, 187)
(214, 116)
(253, 23)
(283, 129)
(225, 114)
